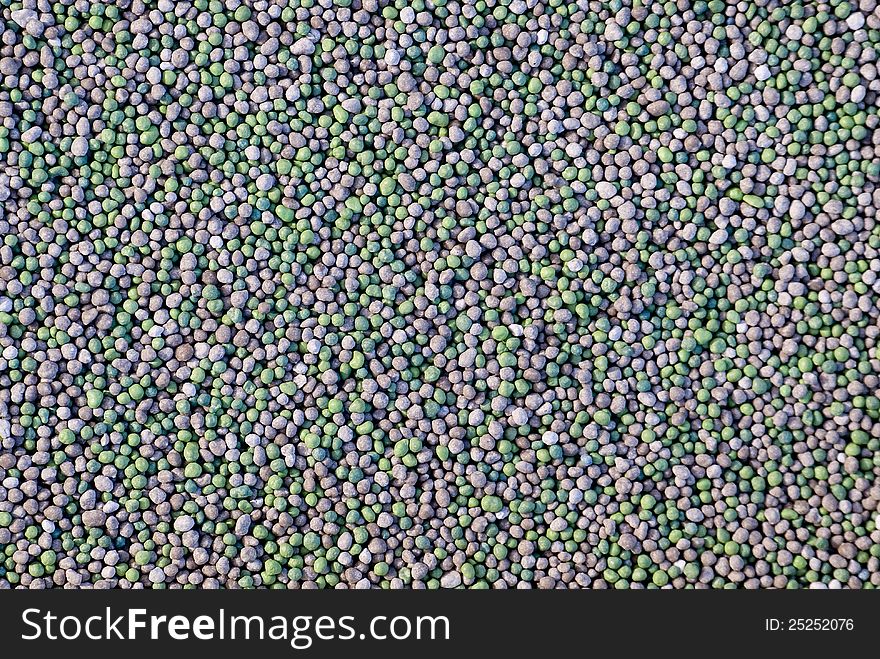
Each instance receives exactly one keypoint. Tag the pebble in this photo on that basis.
(79, 147)
(451, 580)
(265, 182)
(606, 190)
(304, 46)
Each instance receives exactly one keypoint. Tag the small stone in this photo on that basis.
(519, 416)
(79, 147)
(265, 182)
(606, 190)
(658, 108)
(304, 46)
(94, 518)
(450, 580)
(32, 135)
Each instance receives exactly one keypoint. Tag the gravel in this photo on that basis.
(439, 294)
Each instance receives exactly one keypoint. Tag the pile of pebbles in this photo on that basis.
(439, 293)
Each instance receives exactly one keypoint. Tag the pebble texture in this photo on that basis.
(440, 293)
